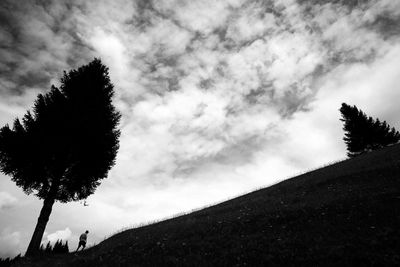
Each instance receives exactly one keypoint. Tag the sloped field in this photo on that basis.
(344, 214)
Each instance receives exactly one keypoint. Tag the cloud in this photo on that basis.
(251, 22)
(203, 17)
(10, 244)
(39, 41)
(63, 235)
(7, 201)
(187, 86)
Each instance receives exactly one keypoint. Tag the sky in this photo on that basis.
(218, 98)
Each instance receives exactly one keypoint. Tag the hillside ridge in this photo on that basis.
(343, 214)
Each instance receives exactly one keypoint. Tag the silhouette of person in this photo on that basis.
(82, 240)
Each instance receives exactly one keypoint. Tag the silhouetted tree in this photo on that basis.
(363, 133)
(58, 248)
(5, 262)
(9, 262)
(66, 145)
(65, 247)
(48, 248)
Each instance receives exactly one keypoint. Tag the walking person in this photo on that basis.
(82, 240)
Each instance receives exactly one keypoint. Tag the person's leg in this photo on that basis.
(80, 244)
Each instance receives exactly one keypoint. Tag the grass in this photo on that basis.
(346, 214)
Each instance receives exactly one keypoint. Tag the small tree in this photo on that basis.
(65, 247)
(57, 247)
(48, 248)
(363, 133)
(69, 142)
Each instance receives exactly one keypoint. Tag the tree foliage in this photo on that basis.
(363, 133)
(68, 142)
(69, 139)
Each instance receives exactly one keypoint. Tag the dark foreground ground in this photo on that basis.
(346, 214)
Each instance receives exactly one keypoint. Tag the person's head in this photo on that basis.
(87, 232)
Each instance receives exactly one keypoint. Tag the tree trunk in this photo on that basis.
(34, 245)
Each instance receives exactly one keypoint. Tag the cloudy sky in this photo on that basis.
(217, 98)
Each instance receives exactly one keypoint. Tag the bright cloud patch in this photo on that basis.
(63, 235)
(10, 244)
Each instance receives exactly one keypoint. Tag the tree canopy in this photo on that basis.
(68, 142)
(363, 133)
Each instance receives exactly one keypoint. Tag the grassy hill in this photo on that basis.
(344, 214)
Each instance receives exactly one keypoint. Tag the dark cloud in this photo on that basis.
(236, 154)
(347, 3)
(144, 17)
(241, 152)
(161, 72)
(162, 84)
(293, 102)
(255, 95)
(221, 33)
(387, 25)
(206, 83)
(39, 41)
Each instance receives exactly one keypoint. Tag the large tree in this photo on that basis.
(63, 148)
(363, 133)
